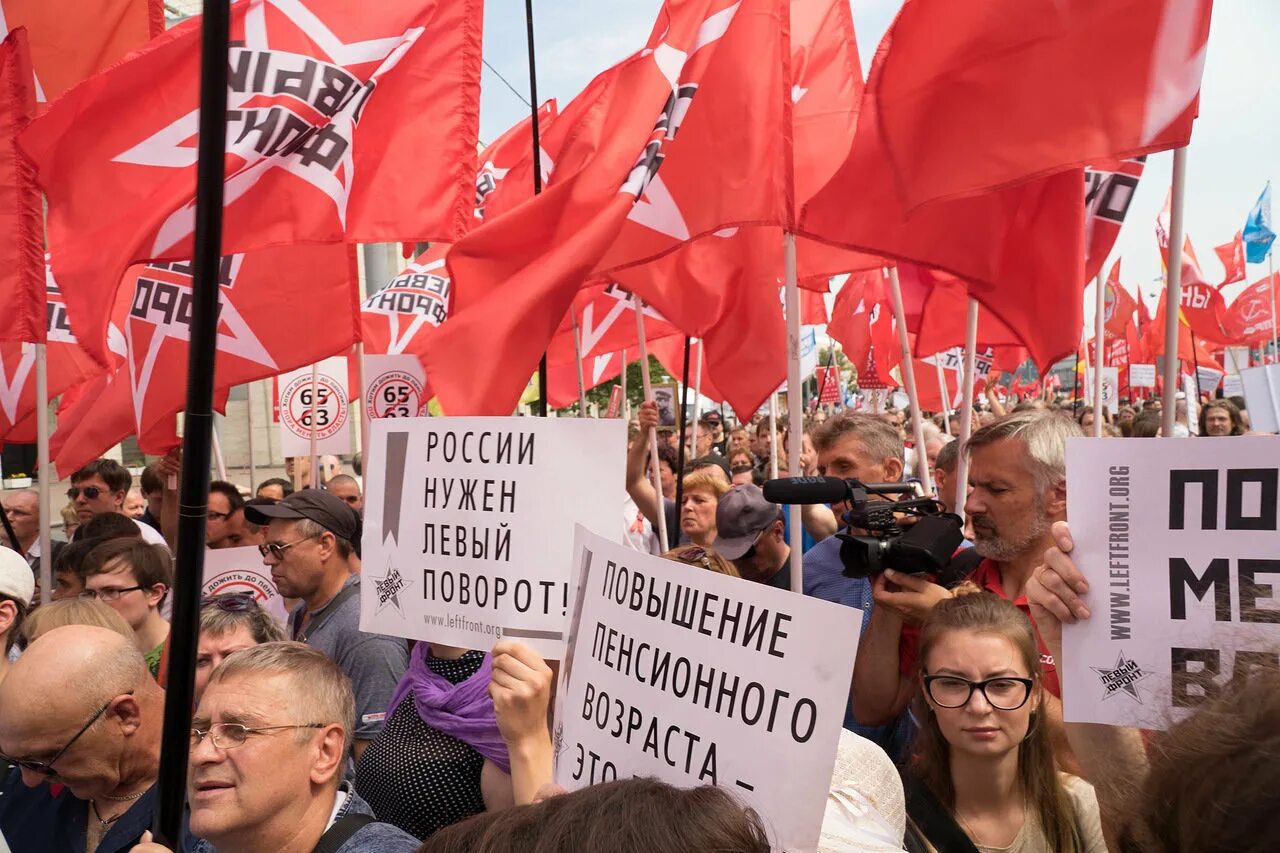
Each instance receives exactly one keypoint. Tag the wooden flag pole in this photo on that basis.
(1099, 327)
(655, 473)
(909, 378)
(966, 406)
(1173, 291)
(45, 473)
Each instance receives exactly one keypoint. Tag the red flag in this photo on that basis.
(525, 266)
(813, 307)
(669, 352)
(1248, 319)
(1190, 347)
(396, 318)
(504, 153)
(1232, 257)
(66, 364)
(1093, 79)
(333, 108)
(606, 320)
(862, 322)
(1119, 304)
(313, 286)
(1108, 191)
(73, 39)
(22, 249)
(997, 243)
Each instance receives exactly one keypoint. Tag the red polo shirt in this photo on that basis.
(987, 576)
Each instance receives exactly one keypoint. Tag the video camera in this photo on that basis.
(924, 547)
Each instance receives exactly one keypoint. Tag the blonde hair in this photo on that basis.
(74, 611)
(704, 480)
(319, 690)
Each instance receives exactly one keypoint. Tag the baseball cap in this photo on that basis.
(325, 509)
(741, 516)
(711, 417)
(16, 578)
(711, 459)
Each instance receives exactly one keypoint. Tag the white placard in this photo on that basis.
(333, 435)
(1110, 387)
(1236, 359)
(1232, 385)
(468, 526)
(241, 570)
(1178, 540)
(1142, 375)
(645, 632)
(1208, 379)
(394, 387)
(1262, 397)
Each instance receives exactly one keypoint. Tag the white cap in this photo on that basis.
(16, 578)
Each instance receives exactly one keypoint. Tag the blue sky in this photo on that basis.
(1235, 148)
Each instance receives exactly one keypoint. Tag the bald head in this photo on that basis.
(99, 663)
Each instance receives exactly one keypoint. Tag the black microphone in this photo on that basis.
(806, 490)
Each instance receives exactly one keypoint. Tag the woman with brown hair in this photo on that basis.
(982, 777)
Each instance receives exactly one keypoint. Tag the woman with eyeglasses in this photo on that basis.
(982, 777)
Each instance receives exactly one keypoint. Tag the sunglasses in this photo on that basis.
(277, 551)
(90, 492)
(231, 602)
(694, 556)
(45, 768)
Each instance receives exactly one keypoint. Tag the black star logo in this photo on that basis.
(1123, 678)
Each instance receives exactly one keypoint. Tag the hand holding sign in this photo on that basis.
(1055, 588)
(520, 686)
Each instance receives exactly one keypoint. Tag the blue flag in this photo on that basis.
(1258, 235)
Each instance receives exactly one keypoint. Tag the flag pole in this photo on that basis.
(626, 406)
(946, 395)
(1195, 364)
(697, 396)
(1173, 290)
(773, 436)
(681, 421)
(219, 464)
(253, 464)
(1275, 327)
(1099, 316)
(909, 377)
(656, 474)
(537, 172)
(361, 376)
(795, 407)
(577, 354)
(196, 443)
(966, 406)
(315, 405)
(45, 473)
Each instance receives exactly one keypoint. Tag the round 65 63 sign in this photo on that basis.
(395, 394)
(331, 407)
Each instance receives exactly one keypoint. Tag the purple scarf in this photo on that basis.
(463, 711)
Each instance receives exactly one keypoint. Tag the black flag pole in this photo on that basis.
(193, 497)
(680, 424)
(537, 173)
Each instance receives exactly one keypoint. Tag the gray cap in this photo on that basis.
(325, 509)
(741, 516)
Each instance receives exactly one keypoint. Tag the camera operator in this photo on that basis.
(1017, 490)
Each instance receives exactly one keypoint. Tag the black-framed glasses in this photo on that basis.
(1006, 693)
(109, 594)
(90, 492)
(231, 602)
(277, 550)
(45, 768)
(232, 735)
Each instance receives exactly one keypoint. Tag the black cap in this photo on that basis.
(710, 417)
(325, 509)
(709, 460)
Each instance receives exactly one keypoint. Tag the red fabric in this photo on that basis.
(1203, 309)
(1189, 349)
(66, 365)
(398, 317)
(73, 39)
(606, 324)
(99, 416)
(1248, 318)
(495, 162)
(394, 86)
(1232, 257)
(1119, 304)
(1109, 189)
(997, 243)
(1093, 79)
(267, 298)
(813, 307)
(862, 322)
(21, 221)
(987, 576)
(516, 276)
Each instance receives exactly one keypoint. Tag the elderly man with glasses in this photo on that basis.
(79, 710)
(311, 536)
(268, 747)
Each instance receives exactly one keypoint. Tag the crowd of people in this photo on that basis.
(312, 734)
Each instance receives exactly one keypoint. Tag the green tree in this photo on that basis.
(599, 395)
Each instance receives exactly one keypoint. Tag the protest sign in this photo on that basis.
(697, 678)
(1110, 387)
(332, 433)
(241, 570)
(394, 387)
(1142, 375)
(1208, 379)
(1232, 385)
(828, 384)
(468, 526)
(1262, 396)
(668, 403)
(1178, 540)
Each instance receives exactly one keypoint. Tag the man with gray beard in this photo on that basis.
(1017, 490)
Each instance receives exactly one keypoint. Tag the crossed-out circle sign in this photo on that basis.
(395, 394)
(331, 407)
